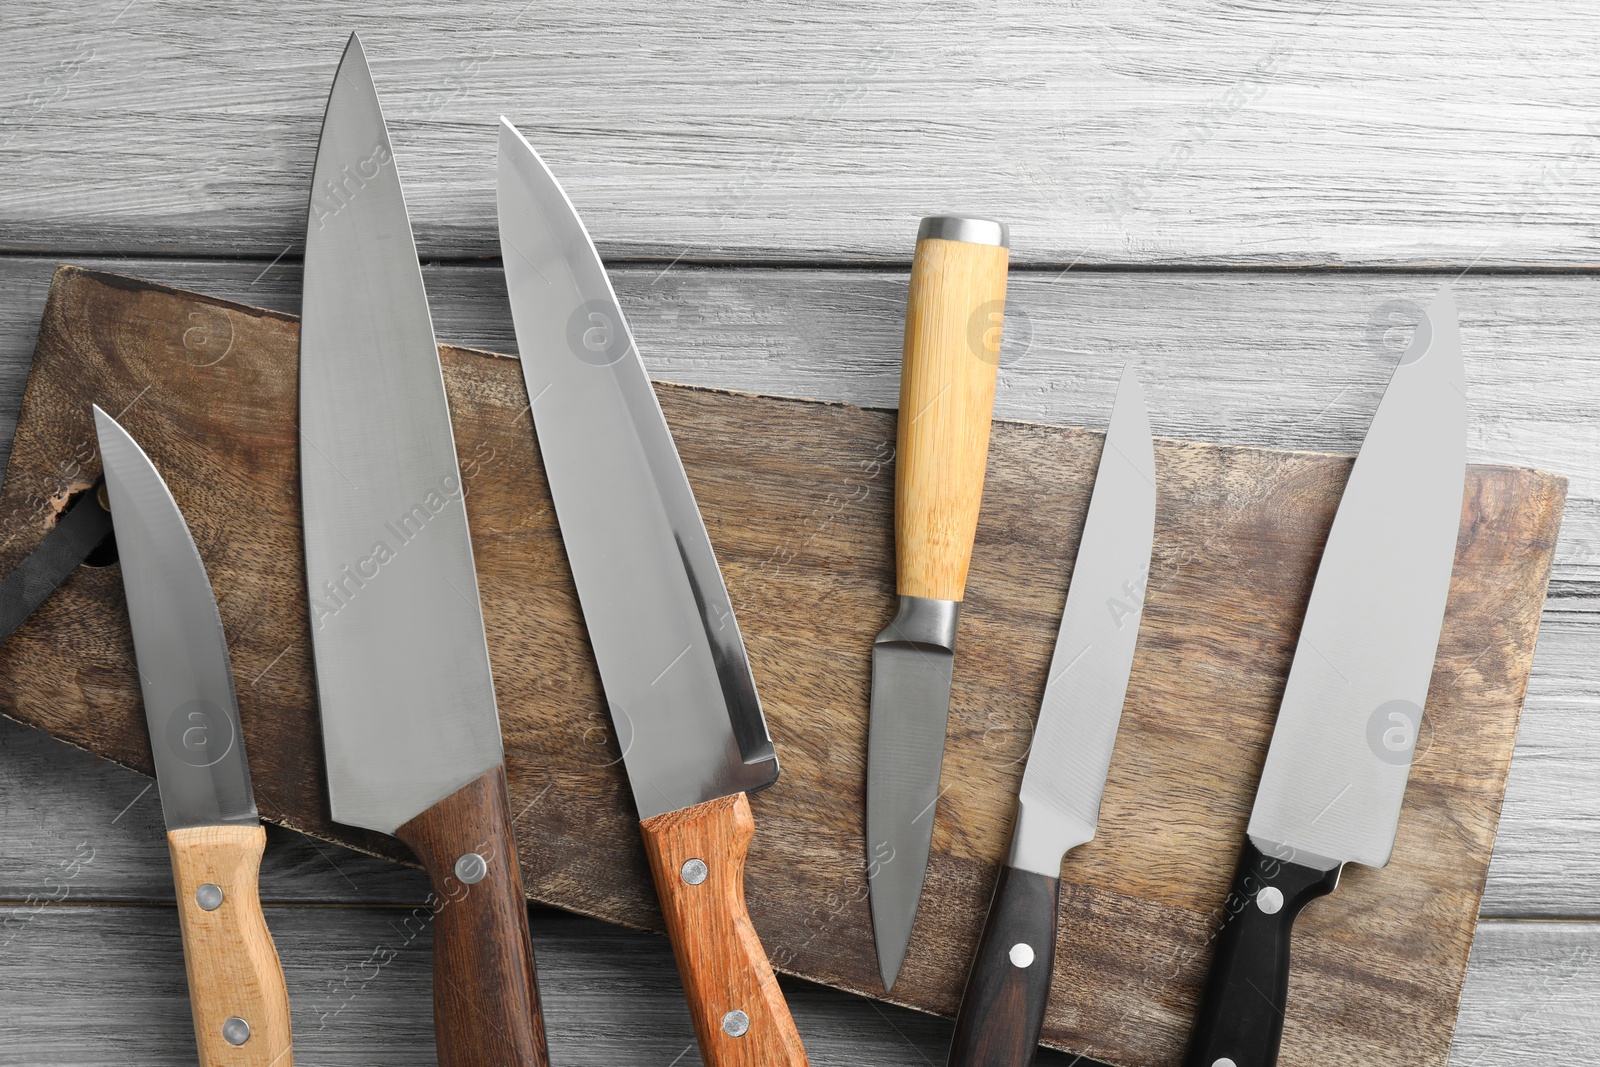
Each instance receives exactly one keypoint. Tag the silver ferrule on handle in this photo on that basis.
(967, 228)
(923, 621)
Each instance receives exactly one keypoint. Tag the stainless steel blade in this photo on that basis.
(182, 656)
(674, 668)
(1336, 770)
(408, 709)
(1059, 803)
(912, 664)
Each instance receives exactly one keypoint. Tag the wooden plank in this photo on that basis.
(1184, 132)
(59, 803)
(1545, 860)
(1533, 991)
(1274, 360)
(1237, 541)
(103, 987)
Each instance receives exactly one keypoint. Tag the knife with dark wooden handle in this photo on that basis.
(947, 380)
(677, 680)
(1058, 806)
(410, 726)
(236, 988)
(482, 955)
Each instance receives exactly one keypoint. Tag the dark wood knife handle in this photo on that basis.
(697, 856)
(1002, 1009)
(485, 991)
(1242, 1009)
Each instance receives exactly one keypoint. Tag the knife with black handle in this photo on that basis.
(1002, 1010)
(1336, 770)
(214, 836)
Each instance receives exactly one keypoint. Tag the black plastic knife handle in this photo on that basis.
(1002, 1009)
(1242, 1009)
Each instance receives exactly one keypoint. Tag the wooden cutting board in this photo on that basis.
(798, 498)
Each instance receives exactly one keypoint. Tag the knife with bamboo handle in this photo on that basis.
(1058, 806)
(410, 727)
(952, 354)
(236, 989)
(1336, 770)
(677, 680)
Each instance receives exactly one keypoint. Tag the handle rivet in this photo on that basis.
(736, 1023)
(1269, 900)
(694, 872)
(472, 868)
(1021, 954)
(1224, 1062)
(209, 897)
(235, 1031)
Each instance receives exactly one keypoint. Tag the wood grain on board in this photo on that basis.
(798, 499)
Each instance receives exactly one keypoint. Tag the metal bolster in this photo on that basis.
(1290, 854)
(1041, 838)
(923, 621)
(965, 228)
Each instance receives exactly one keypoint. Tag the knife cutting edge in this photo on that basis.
(236, 988)
(409, 723)
(952, 354)
(1336, 770)
(677, 680)
(1002, 1009)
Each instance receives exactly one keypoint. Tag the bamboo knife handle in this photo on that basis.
(236, 988)
(485, 991)
(697, 857)
(952, 353)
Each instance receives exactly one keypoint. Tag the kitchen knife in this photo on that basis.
(1002, 1009)
(1336, 769)
(236, 989)
(952, 353)
(409, 725)
(677, 681)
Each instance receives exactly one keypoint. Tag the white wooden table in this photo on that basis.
(1229, 195)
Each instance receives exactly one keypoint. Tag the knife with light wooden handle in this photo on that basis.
(236, 987)
(952, 353)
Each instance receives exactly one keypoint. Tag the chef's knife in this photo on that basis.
(1336, 769)
(1002, 1009)
(409, 723)
(952, 347)
(677, 681)
(236, 989)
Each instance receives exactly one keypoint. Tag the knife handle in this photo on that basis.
(232, 964)
(1002, 1009)
(952, 354)
(1242, 1009)
(485, 990)
(697, 856)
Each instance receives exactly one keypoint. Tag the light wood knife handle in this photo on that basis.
(697, 857)
(233, 967)
(952, 354)
(485, 990)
